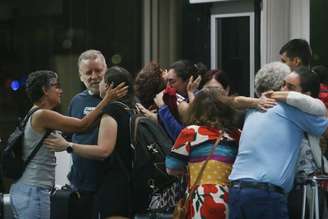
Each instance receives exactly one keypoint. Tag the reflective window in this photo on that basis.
(38, 34)
(318, 31)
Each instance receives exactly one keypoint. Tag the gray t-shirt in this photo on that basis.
(41, 169)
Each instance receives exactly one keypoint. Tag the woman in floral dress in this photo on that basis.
(212, 118)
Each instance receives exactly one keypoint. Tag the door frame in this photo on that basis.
(214, 43)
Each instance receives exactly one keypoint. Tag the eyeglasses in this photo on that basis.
(56, 85)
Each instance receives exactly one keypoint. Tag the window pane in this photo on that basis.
(233, 51)
(40, 34)
(318, 31)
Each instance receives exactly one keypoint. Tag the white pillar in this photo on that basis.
(300, 19)
(146, 31)
(274, 28)
(282, 20)
(161, 30)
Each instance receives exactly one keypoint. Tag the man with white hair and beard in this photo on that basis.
(269, 148)
(85, 174)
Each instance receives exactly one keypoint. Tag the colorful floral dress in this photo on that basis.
(191, 149)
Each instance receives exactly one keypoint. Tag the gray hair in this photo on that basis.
(91, 54)
(271, 77)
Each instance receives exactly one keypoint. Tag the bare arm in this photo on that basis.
(183, 108)
(106, 141)
(241, 102)
(278, 95)
(48, 119)
(192, 86)
(151, 114)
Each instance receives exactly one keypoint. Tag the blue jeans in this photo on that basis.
(29, 202)
(251, 203)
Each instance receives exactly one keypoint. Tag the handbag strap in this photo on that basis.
(200, 174)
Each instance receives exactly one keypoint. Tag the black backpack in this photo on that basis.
(13, 165)
(150, 146)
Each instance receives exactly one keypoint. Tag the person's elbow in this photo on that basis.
(103, 153)
(83, 126)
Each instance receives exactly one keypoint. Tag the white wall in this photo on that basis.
(63, 167)
(281, 21)
(161, 22)
(300, 19)
(274, 28)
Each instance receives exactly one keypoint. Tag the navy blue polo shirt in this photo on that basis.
(85, 173)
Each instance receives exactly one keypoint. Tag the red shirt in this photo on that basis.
(323, 95)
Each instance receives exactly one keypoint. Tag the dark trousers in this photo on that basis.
(252, 203)
(295, 203)
(84, 207)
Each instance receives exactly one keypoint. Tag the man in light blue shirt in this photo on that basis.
(269, 149)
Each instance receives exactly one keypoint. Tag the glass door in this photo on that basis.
(232, 49)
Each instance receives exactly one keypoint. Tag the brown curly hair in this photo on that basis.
(211, 109)
(148, 83)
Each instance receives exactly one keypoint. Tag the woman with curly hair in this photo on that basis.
(29, 195)
(209, 118)
(149, 82)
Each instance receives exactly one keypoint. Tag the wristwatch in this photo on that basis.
(69, 147)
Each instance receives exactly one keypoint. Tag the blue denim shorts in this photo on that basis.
(30, 202)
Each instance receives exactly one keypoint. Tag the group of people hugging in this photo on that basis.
(257, 146)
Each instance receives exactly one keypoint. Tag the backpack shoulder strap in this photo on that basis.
(134, 121)
(28, 115)
(36, 149)
(122, 105)
(38, 146)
